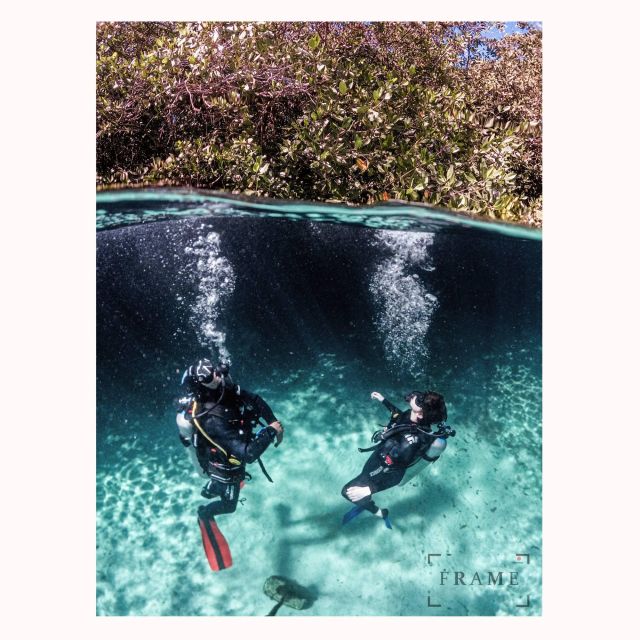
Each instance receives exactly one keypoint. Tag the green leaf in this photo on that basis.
(342, 87)
(314, 41)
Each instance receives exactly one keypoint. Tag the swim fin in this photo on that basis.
(351, 514)
(385, 517)
(215, 545)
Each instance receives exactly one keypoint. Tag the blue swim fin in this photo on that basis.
(385, 517)
(351, 514)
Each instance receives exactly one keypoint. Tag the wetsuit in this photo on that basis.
(403, 443)
(223, 437)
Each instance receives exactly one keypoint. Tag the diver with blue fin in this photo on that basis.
(216, 422)
(411, 440)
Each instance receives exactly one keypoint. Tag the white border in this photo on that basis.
(589, 318)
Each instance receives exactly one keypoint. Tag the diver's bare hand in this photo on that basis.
(377, 396)
(279, 431)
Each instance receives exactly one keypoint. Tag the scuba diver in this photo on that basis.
(216, 422)
(403, 448)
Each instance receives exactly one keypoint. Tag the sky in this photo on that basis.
(510, 27)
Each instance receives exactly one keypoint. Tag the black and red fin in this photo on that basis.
(215, 545)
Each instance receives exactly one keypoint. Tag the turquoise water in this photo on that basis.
(317, 306)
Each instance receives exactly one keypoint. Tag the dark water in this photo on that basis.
(315, 312)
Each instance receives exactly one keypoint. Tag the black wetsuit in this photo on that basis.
(228, 416)
(403, 444)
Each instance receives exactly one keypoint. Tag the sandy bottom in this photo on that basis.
(478, 507)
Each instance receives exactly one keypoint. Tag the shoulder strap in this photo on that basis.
(202, 431)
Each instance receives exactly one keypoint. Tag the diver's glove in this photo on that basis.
(270, 431)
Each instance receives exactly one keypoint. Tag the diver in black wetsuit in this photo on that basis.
(408, 441)
(217, 419)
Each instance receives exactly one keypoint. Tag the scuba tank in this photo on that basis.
(185, 429)
(434, 451)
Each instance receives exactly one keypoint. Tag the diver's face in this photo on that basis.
(416, 412)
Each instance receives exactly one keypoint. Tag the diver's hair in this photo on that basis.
(435, 410)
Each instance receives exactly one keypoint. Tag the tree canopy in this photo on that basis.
(352, 112)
